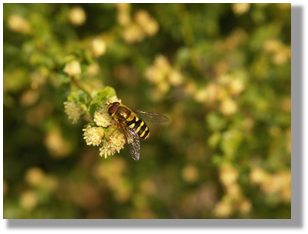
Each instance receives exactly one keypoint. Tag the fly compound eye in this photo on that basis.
(113, 107)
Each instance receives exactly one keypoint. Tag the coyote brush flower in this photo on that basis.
(77, 16)
(73, 111)
(73, 68)
(240, 8)
(18, 24)
(102, 118)
(93, 135)
(98, 47)
(105, 132)
(112, 144)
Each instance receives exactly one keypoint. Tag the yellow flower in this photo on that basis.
(98, 47)
(154, 74)
(162, 63)
(117, 141)
(72, 68)
(28, 200)
(236, 86)
(123, 18)
(240, 8)
(18, 24)
(163, 87)
(146, 22)
(102, 118)
(245, 206)
(133, 33)
(77, 16)
(142, 17)
(93, 135)
(151, 28)
(190, 174)
(112, 144)
(73, 111)
(258, 175)
(272, 45)
(227, 175)
(201, 95)
(175, 78)
(56, 144)
(234, 191)
(35, 176)
(223, 209)
(228, 107)
(122, 6)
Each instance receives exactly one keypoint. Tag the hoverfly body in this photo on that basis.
(133, 126)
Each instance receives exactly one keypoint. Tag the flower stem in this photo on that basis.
(77, 83)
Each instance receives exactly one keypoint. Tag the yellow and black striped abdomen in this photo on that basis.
(139, 126)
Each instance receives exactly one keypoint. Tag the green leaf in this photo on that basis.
(214, 139)
(93, 107)
(100, 96)
(89, 124)
(230, 141)
(63, 78)
(78, 97)
(215, 121)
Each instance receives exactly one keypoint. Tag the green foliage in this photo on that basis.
(100, 96)
(220, 72)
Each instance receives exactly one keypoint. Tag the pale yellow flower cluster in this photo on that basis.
(77, 16)
(280, 53)
(123, 16)
(106, 133)
(102, 118)
(148, 25)
(93, 135)
(223, 90)
(163, 75)
(135, 30)
(190, 174)
(98, 47)
(36, 178)
(278, 184)
(73, 111)
(57, 145)
(233, 200)
(113, 144)
(28, 200)
(18, 24)
(240, 8)
(72, 68)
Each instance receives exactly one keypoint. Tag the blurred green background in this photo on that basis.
(220, 72)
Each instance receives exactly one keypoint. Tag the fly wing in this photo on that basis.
(133, 141)
(151, 117)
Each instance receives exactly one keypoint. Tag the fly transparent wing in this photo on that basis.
(134, 147)
(133, 142)
(151, 117)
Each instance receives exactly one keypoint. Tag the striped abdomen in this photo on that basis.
(139, 126)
